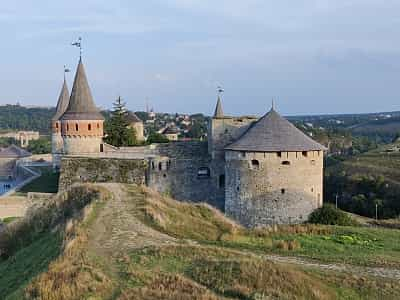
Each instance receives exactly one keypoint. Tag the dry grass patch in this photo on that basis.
(249, 279)
(185, 220)
(170, 287)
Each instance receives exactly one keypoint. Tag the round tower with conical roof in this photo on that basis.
(57, 143)
(274, 174)
(82, 122)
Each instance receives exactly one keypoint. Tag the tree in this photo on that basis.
(40, 146)
(117, 131)
(155, 137)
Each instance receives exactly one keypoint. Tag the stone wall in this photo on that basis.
(273, 188)
(84, 169)
(82, 144)
(224, 131)
(185, 171)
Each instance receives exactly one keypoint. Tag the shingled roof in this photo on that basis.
(13, 151)
(62, 102)
(81, 105)
(133, 118)
(218, 113)
(273, 133)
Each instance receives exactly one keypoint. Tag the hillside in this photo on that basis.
(16, 117)
(365, 180)
(114, 241)
(386, 128)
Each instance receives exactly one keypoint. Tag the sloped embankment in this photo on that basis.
(128, 242)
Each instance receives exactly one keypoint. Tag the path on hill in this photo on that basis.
(117, 228)
(356, 270)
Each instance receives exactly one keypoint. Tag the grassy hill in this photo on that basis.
(115, 241)
(365, 180)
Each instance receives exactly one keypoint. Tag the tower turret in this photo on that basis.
(218, 113)
(56, 138)
(82, 123)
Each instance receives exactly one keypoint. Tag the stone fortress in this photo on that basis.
(259, 171)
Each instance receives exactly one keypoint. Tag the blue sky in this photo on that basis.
(312, 56)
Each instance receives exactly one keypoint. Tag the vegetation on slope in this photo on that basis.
(367, 180)
(356, 245)
(209, 257)
(46, 183)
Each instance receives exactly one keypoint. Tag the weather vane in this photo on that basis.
(220, 90)
(66, 70)
(79, 45)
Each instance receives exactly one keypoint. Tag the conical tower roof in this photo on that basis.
(62, 102)
(81, 105)
(273, 133)
(218, 113)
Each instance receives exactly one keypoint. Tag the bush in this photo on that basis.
(330, 215)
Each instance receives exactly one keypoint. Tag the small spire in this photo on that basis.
(272, 104)
(218, 113)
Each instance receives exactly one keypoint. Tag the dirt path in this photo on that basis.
(357, 270)
(117, 228)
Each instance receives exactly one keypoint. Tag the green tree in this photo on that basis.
(117, 131)
(40, 146)
(155, 137)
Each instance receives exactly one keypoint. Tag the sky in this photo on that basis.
(311, 56)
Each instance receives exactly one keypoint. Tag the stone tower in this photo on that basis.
(56, 138)
(274, 174)
(82, 123)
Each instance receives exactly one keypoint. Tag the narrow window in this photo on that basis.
(152, 165)
(160, 166)
(312, 190)
(243, 154)
(286, 163)
(101, 148)
(89, 127)
(76, 127)
(283, 191)
(203, 172)
(255, 164)
(279, 154)
(304, 153)
(222, 181)
(98, 125)
(67, 127)
(57, 125)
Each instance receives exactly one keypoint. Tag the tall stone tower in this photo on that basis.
(82, 123)
(274, 174)
(57, 143)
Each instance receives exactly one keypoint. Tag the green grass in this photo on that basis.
(46, 183)
(352, 245)
(8, 220)
(349, 245)
(18, 270)
(179, 269)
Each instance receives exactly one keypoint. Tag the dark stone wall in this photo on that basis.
(176, 172)
(83, 169)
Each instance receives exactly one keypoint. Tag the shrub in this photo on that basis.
(330, 215)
